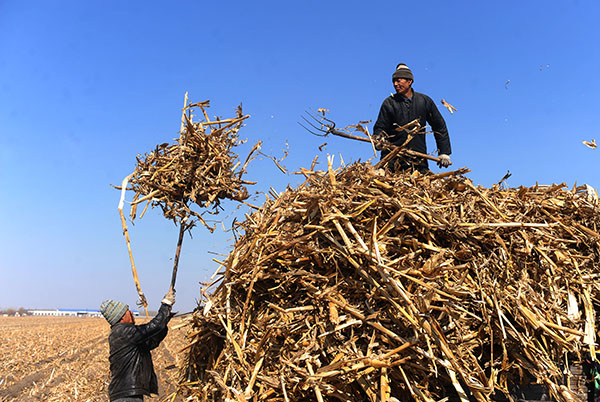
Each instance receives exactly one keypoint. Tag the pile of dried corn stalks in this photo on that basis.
(361, 286)
(200, 168)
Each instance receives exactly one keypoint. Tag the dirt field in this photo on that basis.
(66, 359)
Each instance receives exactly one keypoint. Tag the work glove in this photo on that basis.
(444, 161)
(169, 298)
(379, 142)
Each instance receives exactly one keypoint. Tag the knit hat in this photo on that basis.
(113, 311)
(402, 71)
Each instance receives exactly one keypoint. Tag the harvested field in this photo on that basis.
(66, 359)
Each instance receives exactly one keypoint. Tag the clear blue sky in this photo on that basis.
(85, 86)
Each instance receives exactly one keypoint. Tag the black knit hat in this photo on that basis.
(402, 71)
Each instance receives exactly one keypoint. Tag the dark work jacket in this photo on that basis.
(131, 369)
(397, 110)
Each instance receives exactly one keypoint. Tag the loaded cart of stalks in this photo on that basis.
(190, 177)
(359, 285)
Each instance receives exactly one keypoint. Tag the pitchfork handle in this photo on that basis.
(177, 253)
(406, 151)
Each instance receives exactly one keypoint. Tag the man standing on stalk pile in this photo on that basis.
(400, 109)
(131, 369)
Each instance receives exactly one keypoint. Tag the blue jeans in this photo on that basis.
(130, 399)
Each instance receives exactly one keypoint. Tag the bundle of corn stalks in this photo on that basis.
(200, 168)
(362, 286)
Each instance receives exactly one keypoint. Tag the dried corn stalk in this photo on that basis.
(357, 285)
(199, 168)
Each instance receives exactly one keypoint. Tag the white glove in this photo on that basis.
(379, 142)
(444, 161)
(169, 298)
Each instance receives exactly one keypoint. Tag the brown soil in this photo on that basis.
(66, 358)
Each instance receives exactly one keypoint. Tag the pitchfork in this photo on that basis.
(327, 126)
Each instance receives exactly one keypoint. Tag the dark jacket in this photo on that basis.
(397, 110)
(131, 369)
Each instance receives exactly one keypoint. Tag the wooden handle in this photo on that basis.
(387, 144)
(177, 252)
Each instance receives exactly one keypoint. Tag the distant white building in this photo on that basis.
(67, 312)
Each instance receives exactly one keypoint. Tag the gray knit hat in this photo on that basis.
(113, 311)
(402, 71)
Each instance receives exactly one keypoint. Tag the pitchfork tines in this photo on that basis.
(322, 124)
(325, 126)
